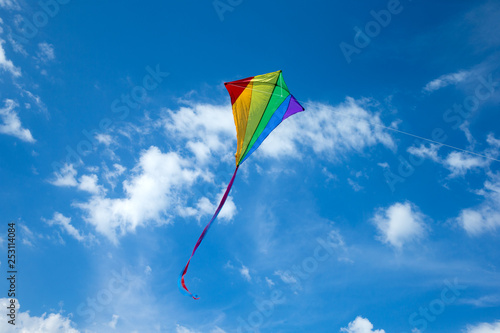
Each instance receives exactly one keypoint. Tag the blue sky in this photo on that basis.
(117, 141)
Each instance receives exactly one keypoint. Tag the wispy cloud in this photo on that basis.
(245, 272)
(35, 98)
(9, 4)
(446, 80)
(65, 224)
(483, 301)
(459, 163)
(269, 282)
(430, 152)
(46, 52)
(27, 235)
(104, 139)
(486, 216)
(113, 321)
(484, 328)
(355, 186)
(11, 124)
(286, 277)
(205, 207)
(111, 176)
(217, 330)
(6, 64)
(182, 329)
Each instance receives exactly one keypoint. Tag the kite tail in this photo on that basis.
(180, 281)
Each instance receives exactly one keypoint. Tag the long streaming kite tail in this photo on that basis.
(180, 281)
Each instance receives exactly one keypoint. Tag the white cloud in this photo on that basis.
(9, 4)
(483, 301)
(35, 98)
(423, 151)
(105, 139)
(11, 125)
(472, 221)
(65, 224)
(486, 216)
(446, 80)
(492, 141)
(360, 325)
(328, 130)
(113, 321)
(355, 186)
(465, 127)
(329, 176)
(331, 131)
(16, 46)
(182, 329)
(383, 165)
(67, 178)
(150, 194)
(459, 163)
(88, 183)
(46, 323)
(209, 129)
(269, 282)
(112, 176)
(205, 207)
(484, 328)
(286, 277)
(46, 52)
(245, 272)
(27, 235)
(217, 330)
(335, 240)
(399, 224)
(7, 64)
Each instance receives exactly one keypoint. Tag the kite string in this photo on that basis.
(180, 281)
(429, 140)
(436, 142)
(402, 132)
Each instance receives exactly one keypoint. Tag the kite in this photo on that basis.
(260, 103)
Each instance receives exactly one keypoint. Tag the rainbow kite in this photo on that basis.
(260, 104)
